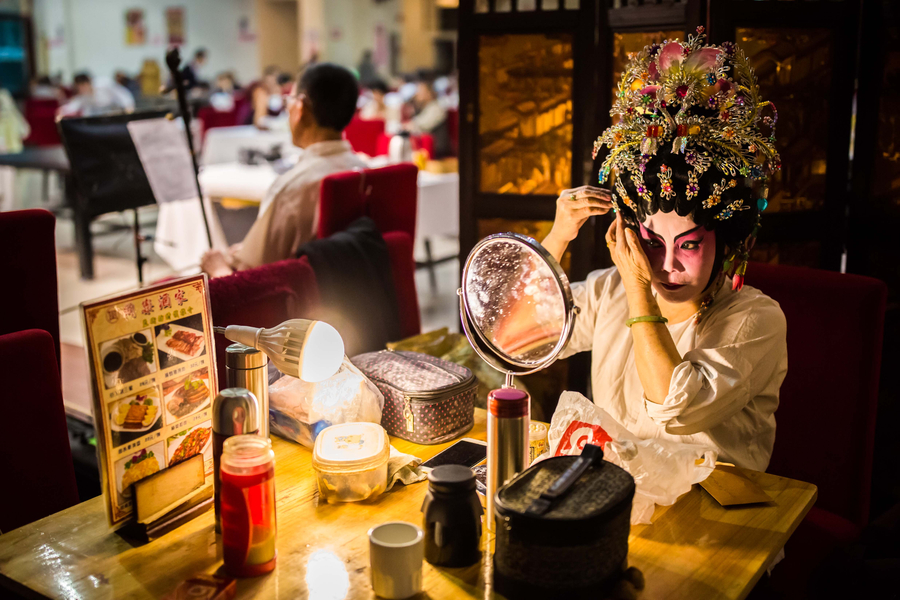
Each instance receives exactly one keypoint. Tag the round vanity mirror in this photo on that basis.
(516, 304)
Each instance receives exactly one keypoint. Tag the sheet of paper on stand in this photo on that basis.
(163, 150)
(663, 470)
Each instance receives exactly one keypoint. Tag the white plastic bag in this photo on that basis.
(663, 470)
(299, 410)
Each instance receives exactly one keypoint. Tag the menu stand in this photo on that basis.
(169, 499)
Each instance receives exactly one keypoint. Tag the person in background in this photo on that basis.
(266, 98)
(366, 70)
(13, 129)
(222, 96)
(375, 108)
(319, 108)
(225, 83)
(431, 118)
(192, 73)
(285, 82)
(104, 97)
(128, 83)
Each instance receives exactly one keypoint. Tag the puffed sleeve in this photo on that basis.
(735, 357)
(588, 295)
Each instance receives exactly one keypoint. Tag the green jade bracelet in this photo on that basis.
(647, 319)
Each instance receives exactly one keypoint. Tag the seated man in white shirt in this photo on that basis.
(320, 106)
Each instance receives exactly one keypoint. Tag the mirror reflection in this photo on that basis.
(515, 301)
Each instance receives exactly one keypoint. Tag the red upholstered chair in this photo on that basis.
(381, 144)
(416, 142)
(262, 297)
(28, 267)
(403, 267)
(212, 118)
(41, 116)
(826, 417)
(363, 135)
(390, 197)
(39, 476)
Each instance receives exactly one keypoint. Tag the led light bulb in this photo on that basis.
(309, 350)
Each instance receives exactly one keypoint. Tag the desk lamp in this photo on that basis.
(309, 350)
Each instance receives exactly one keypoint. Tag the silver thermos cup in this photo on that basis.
(247, 368)
(235, 412)
(508, 422)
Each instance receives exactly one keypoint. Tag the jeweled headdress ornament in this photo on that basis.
(704, 100)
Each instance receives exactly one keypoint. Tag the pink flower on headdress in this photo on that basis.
(700, 61)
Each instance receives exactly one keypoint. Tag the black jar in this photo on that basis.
(452, 517)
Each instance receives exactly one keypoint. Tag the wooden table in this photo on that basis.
(693, 549)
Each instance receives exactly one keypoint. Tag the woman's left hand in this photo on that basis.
(629, 257)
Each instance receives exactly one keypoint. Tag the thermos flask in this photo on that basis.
(247, 368)
(508, 423)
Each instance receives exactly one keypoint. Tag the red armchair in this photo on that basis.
(363, 135)
(390, 197)
(41, 116)
(212, 118)
(826, 418)
(28, 265)
(262, 297)
(417, 142)
(39, 477)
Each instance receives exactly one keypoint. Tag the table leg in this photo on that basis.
(83, 239)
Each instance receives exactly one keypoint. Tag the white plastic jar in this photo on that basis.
(350, 460)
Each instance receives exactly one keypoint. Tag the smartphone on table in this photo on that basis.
(468, 452)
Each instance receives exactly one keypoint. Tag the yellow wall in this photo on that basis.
(417, 37)
(277, 34)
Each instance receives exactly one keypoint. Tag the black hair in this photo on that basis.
(379, 86)
(82, 77)
(200, 53)
(332, 92)
(730, 233)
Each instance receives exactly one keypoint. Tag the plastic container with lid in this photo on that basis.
(350, 460)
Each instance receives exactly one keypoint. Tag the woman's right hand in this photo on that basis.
(573, 209)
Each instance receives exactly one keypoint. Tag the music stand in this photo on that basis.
(107, 171)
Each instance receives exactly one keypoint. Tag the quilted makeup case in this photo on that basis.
(427, 400)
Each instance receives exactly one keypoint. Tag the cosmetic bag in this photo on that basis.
(427, 400)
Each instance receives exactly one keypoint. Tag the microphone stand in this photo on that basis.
(173, 61)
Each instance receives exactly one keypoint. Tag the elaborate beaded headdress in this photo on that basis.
(704, 100)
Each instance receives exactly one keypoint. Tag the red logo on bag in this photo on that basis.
(579, 433)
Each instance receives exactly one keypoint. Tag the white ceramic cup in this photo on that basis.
(396, 552)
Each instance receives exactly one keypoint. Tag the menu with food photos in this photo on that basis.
(154, 378)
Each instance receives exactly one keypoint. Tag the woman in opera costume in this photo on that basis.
(681, 348)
